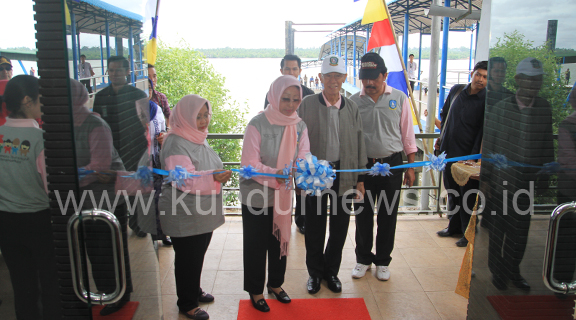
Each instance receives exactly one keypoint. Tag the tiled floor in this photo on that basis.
(424, 274)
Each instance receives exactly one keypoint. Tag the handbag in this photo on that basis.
(437, 151)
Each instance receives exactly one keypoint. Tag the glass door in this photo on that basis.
(115, 126)
(528, 167)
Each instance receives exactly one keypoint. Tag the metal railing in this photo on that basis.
(434, 207)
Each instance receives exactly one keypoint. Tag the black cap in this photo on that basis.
(371, 65)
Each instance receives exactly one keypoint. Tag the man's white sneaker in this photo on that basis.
(360, 270)
(382, 273)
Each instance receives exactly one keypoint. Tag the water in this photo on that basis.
(248, 80)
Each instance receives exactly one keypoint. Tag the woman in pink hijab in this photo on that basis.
(273, 140)
(190, 210)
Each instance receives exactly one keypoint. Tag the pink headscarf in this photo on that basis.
(79, 98)
(183, 118)
(283, 206)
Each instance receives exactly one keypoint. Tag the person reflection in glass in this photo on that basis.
(565, 262)
(520, 128)
(496, 77)
(95, 153)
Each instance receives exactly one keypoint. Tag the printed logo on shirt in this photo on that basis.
(270, 135)
(9, 149)
(393, 104)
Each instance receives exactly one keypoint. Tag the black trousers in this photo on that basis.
(385, 191)
(27, 246)
(87, 84)
(189, 255)
(461, 217)
(257, 224)
(299, 216)
(324, 262)
(100, 251)
(412, 84)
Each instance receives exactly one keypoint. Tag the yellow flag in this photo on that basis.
(374, 12)
(151, 50)
(68, 20)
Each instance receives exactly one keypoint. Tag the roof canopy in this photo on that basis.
(418, 22)
(91, 16)
(348, 43)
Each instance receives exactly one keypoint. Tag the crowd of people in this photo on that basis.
(128, 129)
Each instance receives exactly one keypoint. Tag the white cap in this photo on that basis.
(333, 63)
(530, 67)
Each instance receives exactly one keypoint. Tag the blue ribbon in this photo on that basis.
(82, 173)
(144, 174)
(247, 172)
(178, 175)
(437, 163)
(382, 169)
(314, 175)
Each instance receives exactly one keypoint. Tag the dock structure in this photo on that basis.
(409, 17)
(103, 19)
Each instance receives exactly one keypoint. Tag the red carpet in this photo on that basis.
(126, 313)
(533, 307)
(307, 309)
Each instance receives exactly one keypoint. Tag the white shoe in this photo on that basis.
(360, 270)
(382, 273)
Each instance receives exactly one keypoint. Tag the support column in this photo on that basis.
(367, 38)
(107, 39)
(346, 53)
(102, 60)
(405, 37)
(140, 55)
(420, 58)
(332, 46)
(354, 57)
(74, 45)
(470, 59)
(131, 53)
(339, 46)
(432, 85)
(443, 68)
(289, 37)
(119, 45)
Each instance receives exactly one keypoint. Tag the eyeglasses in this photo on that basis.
(8, 68)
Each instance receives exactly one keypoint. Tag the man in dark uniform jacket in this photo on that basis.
(463, 117)
(291, 66)
(117, 105)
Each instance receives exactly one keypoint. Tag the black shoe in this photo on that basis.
(444, 233)
(313, 284)
(114, 307)
(205, 297)
(521, 284)
(199, 314)
(260, 305)
(282, 296)
(166, 241)
(499, 283)
(302, 229)
(334, 284)
(463, 242)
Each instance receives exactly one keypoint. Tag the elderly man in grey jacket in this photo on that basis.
(335, 131)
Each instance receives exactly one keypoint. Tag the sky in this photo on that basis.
(223, 23)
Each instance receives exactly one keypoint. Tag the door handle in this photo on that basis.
(550, 253)
(76, 261)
